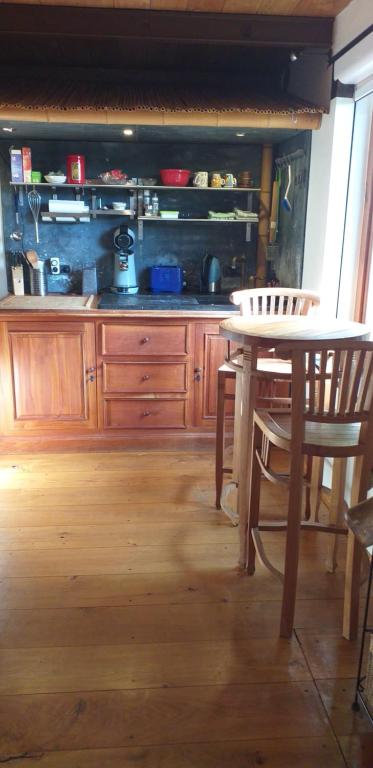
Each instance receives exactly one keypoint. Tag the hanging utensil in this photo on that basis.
(274, 209)
(286, 202)
(34, 201)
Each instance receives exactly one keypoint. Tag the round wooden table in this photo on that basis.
(264, 332)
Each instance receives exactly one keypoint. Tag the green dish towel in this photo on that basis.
(230, 215)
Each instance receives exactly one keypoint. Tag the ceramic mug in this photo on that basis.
(217, 181)
(201, 179)
(230, 180)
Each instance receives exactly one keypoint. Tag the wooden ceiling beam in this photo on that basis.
(165, 26)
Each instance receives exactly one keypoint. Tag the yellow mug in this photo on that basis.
(217, 181)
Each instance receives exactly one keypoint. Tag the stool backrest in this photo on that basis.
(275, 301)
(332, 382)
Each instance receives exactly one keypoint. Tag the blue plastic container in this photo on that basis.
(166, 279)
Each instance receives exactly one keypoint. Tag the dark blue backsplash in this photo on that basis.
(79, 245)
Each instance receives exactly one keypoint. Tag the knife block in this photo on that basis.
(17, 280)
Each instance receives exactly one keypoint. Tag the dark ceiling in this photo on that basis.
(252, 48)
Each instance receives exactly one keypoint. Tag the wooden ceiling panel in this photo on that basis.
(326, 8)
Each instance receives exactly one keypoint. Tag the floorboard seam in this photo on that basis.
(320, 699)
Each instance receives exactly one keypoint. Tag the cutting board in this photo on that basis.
(47, 302)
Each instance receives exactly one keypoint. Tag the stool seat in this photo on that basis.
(324, 436)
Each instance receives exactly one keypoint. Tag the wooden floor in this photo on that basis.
(129, 638)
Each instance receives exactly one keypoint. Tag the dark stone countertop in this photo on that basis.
(167, 301)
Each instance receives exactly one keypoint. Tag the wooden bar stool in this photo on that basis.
(360, 522)
(273, 374)
(327, 421)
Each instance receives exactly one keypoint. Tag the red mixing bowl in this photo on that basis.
(174, 177)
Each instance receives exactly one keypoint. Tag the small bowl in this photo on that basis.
(149, 181)
(119, 206)
(54, 179)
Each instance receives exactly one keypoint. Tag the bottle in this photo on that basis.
(155, 205)
(146, 200)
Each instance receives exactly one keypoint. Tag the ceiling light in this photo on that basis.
(240, 134)
(294, 56)
(128, 132)
(8, 130)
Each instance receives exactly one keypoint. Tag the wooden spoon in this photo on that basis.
(32, 258)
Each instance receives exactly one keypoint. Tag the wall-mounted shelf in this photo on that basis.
(46, 184)
(157, 219)
(203, 189)
(191, 221)
(136, 204)
(132, 187)
(47, 215)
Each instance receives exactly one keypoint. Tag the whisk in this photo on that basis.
(34, 201)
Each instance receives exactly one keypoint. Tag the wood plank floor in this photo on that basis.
(128, 637)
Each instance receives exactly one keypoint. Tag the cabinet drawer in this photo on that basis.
(144, 414)
(144, 377)
(143, 339)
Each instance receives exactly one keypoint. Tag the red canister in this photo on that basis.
(75, 166)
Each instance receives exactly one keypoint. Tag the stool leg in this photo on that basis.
(220, 426)
(335, 509)
(354, 552)
(254, 500)
(316, 483)
(355, 705)
(292, 545)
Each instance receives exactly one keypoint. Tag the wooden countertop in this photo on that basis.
(48, 302)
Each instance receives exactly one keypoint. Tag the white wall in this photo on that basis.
(354, 19)
(329, 172)
(356, 64)
(327, 195)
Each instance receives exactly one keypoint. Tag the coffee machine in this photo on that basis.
(125, 280)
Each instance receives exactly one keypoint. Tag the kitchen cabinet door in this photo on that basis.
(48, 377)
(210, 351)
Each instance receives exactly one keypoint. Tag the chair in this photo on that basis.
(331, 416)
(360, 522)
(256, 301)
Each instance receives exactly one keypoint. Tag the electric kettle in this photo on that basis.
(210, 274)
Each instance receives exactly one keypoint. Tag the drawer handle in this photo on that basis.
(146, 413)
(145, 339)
(146, 377)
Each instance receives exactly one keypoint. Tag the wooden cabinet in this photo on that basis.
(144, 375)
(153, 375)
(210, 352)
(48, 377)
